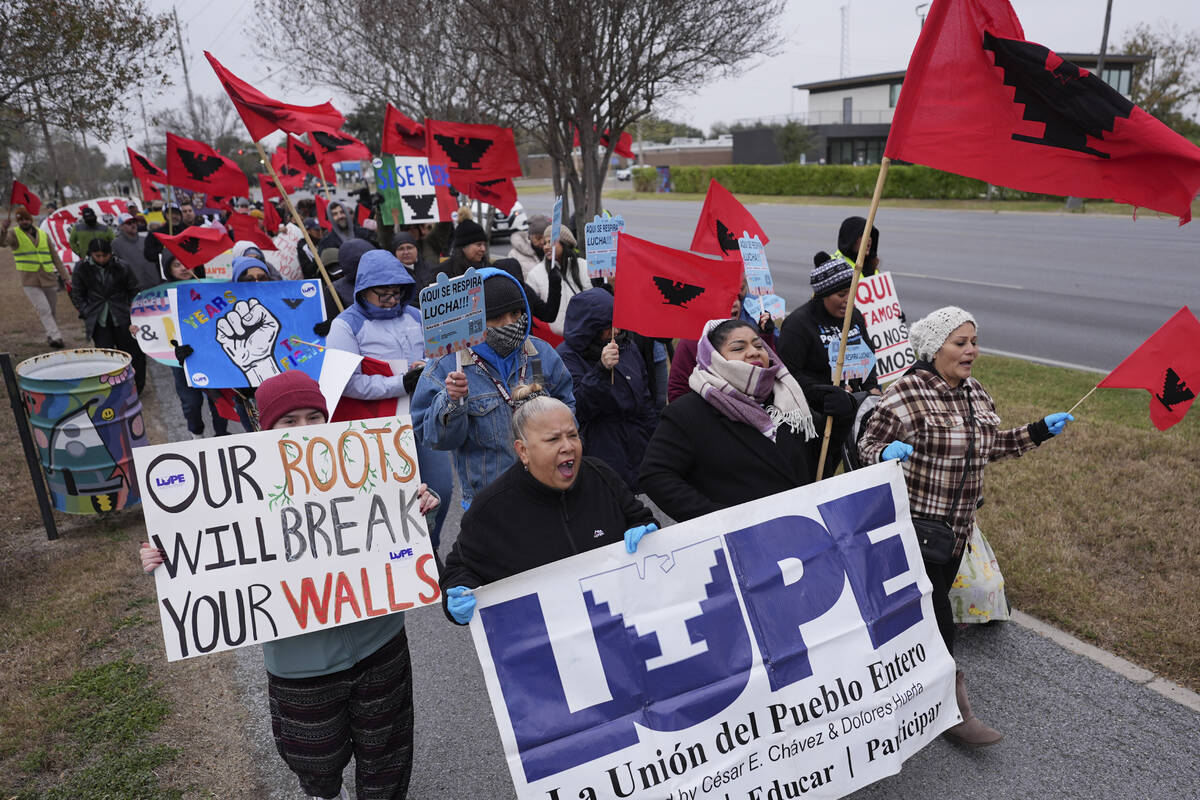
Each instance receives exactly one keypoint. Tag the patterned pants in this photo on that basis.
(365, 711)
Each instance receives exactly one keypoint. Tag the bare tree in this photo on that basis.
(1169, 86)
(554, 68)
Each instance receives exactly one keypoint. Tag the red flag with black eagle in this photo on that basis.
(246, 228)
(322, 210)
(196, 245)
(291, 178)
(147, 174)
(979, 100)
(302, 158)
(402, 136)
(196, 166)
(1167, 365)
(21, 196)
(624, 147)
(664, 292)
(264, 115)
(271, 220)
(723, 220)
(472, 153)
(338, 146)
(500, 193)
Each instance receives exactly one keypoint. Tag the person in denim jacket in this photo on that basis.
(463, 402)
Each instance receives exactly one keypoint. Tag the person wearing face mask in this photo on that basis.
(39, 267)
(942, 423)
(464, 402)
(553, 503)
(102, 289)
(383, 323)
(86, 230)
(744, 431)
(612, 400)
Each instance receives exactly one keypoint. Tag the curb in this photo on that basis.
(1127, 669)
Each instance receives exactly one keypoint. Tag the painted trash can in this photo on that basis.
(86, 417)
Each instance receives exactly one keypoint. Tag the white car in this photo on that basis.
(626, 173)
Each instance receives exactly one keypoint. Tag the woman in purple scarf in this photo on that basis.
(744, 431)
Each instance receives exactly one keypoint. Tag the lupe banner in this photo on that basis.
(781, 648)
(277, 533)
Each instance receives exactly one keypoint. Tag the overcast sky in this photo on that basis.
(882, 35)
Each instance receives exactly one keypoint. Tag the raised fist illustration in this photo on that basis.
(248, 334)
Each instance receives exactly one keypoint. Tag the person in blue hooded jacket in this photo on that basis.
(613, 406)
(464, 402)
(382, 323)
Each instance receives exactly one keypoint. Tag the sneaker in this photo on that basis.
(57, 344)
(196, 435)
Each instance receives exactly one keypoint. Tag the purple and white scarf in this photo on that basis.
(739, 390)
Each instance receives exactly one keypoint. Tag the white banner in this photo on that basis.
(282, 532)
(782, 648)
(876, 298)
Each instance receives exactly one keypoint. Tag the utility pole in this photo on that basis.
(145, 127)
(1104, 42)
(845, 61)
(191, 101)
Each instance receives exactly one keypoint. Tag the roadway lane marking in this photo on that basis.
(959, 280)
(1050, 362)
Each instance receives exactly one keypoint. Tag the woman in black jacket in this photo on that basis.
(744, 431)
(552, 504)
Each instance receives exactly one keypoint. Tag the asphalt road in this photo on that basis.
(1075, 288)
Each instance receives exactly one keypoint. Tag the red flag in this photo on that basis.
(723, 220)
(144, 169)
(322, 210)
(264, 115)
(271, 220)
(196, 245)
(351, 408)
(402, 136)
(472, 152)
(979, 100)
(245, 227)
(500, 192)
(663, 292)
(21, 196)
(302, 158)
(1167, 365)
(196, 166)
(266, 185)
(340, 146)
(363, 214)
(149, 192)
(291, 178)
(624, 146)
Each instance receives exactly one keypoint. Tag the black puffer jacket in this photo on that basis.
(93, 285)
(518, 523)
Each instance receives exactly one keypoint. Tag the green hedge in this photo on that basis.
(832, 180)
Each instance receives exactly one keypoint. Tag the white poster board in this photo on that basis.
(880, 306)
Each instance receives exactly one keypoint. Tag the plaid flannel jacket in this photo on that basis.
(923, 410)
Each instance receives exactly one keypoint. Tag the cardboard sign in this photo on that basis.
(409, 188)
(277, 533)
(600, 240)
(243, 333)
(772, 303)
(785, 647)
(758, 274)
(859, 360)
(452, 314)
(876, 298)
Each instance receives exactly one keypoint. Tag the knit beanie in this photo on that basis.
(284, 393)
(831, 277)
(929, 333)
(329, 257)
(566, 237)
(501, 294)
(851, 231)
(403, 237)
(538, 224)
(468, 232)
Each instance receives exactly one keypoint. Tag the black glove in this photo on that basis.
(835, 401)
(411, 377)
(182, 351)
(322, 328)
(769, 326)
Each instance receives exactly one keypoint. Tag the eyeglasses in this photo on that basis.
(387, 292)
(255, 279)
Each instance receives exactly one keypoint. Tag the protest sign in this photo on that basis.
(243, 333)
(876, 298)
(555, 228)
(600, 243)
(754, 259)
(272, 534)
(452, 313)
(773, 304)
(220, 268)
(409, 186)
(765, 651)
(858, 362)
(152, 313)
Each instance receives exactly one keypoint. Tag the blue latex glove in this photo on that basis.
(460, 604)
(1056, 422)
(634, 535)
(897, 450)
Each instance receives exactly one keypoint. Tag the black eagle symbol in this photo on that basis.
(287, 171)
(1175, 390)
(146, 165)
(725, 239)
(1072, 104)
(293, 302)
(306, 155)
(200, 166)
(331, 141)
(411, 138)
(677, 293)
(465, 152)
(421, 205)
(191, 244)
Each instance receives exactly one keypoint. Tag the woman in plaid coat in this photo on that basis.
(943, 424)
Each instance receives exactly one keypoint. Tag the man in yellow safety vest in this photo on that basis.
(38, 266)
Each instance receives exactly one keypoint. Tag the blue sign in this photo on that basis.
(859, 359)
(452, 314)
(555, 227)
(758, 274)
(600, 240)
(773, 304)
(244, 333)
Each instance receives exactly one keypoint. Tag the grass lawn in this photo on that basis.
(1095, 530)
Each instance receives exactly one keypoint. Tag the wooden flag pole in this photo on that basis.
(1085, 397)
(863, 247)
(287, 201)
